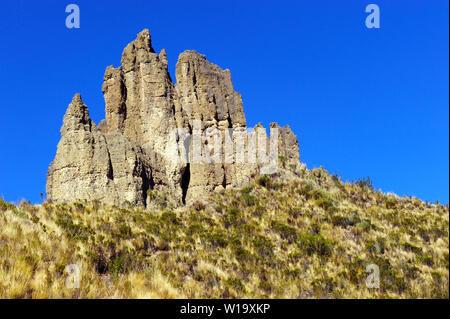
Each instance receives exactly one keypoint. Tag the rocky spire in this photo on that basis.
(89, 165)
(138, 145)
(77, 116)
(288, 146)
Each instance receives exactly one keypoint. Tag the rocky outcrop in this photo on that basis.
(90, 166)
(184, 140)
(205, 94)
(288, 149)
(139, 99)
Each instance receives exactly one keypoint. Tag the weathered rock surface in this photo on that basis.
(90, 166)
(162, 136)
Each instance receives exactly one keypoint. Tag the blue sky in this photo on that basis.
(363, 102)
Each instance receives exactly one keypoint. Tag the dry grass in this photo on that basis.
(306, 236)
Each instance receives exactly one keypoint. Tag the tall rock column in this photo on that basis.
(82, 167)
(206, 99)
(139, 98)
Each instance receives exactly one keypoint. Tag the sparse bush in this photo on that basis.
(316, 244)
(246, 189)
(124, 231)
(236, 284)
(73, 230)
(324, 202)
(285, 231)
(217, 239)
(265, 181)
(263, 246)
(249, 200)
(365, 183)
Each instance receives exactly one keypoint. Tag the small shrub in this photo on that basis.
(265, 286)
(217, 239)
(343, 221)
(259, 211)
(248, 200)
(233, 218)
(124, 231)
(364, 225)
(390, 203)
(285, 231)
(170, 218)
(365, 183)
(246, 189)
(264, 181)
(120, 263)
(426, 260)
(235, 283)
(412, 248)
(263, 246)
(316, 244)
(324, 202)
(72, 230)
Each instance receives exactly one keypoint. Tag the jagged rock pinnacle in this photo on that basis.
(135, 148)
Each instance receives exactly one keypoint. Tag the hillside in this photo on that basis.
(302, 234)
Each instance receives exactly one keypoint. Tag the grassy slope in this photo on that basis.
(307, 236)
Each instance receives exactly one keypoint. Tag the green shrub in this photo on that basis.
(72, 230)
(235, 283)
(285, 231)
(410, 247)
(124, 231)
(364, 225)
(241, 254)
(259, 211)
(426, 260)
(246, 189)
(4, 206)
(390, 203)
(217, 239)
(365, 183)
(264, 181)
(263, 246)
(233, 218)
(60, 268)
(248, 200)
(265, 286)
(343, 221)
(324, 202)
(119, 264)
(316, 245)
(170, 218)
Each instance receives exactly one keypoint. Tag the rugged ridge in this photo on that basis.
(147, 140)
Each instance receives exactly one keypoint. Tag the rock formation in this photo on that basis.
(173, 139)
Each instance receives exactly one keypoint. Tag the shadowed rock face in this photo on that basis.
(135, 148)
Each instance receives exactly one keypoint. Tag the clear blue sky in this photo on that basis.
(363, 102)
